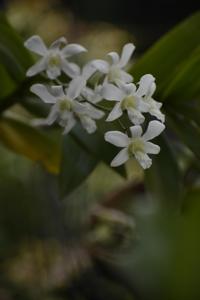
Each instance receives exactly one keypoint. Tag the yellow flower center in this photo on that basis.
(137, 145)
(128, 102)
(54, 60)
(65, 104)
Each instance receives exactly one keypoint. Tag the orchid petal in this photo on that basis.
(88, 71)
(143, 106)
(145, 85)
(151, 148)
(41, 91)
(143, 159)
(53, 72)
(151, 90)
(120, 158)
(87, 93)
(93, 96)
(37, 68)
(157, 104)
(101, 65)
(136, 131)
(115, 113)
(158, 114)
(154, 129)
(88, 124)
(70, 69)
(88, 110)
(128, 88)
(55, 45)
(57, 91)
(36, 45)
(117, 138)
(127, 52)
(70, 123)
(115, 57)
(135, 116)
(111, 92)
(125, 77)
(72, 49)
(53, 115)
(97, 96)
(93, 112)
(75, 87)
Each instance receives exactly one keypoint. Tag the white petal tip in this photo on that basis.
(91, 131)
(113, 165)
(35, 87)
(109, 119)
(106, 137)
(29, 73)
(131, 46)
(146, 164)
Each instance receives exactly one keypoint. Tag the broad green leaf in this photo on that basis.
(76, 164)
(7, 84)
(163, 59)
(14, 61)
(163, 178)
(187, 131)
(31, 142)
(97, 145)
(81, 153)
(184, 265)
(186, 84)
(190, 110)
(28, 202)
(13, 54)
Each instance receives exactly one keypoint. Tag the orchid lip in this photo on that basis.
(136, 145)
(54, 60)
(128, 102)
(65, 105)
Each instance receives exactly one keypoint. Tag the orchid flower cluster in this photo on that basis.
(76, 100)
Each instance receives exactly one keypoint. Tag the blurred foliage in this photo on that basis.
(72, 228)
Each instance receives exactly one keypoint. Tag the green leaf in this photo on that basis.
(186, 84)
(163, 59)
(29, 202)
(14, 62)
(7, 84)
(77, 163)
(187, 131)
(190, 110)
(163, 178)
(97, 145)
(185, 261)
(31, 142)
(13, 55)
(81, 153)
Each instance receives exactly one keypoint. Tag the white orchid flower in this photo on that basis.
(114, 71)
(54, 60)
(137, 145)
(127, 98)
(146, 90)
(65, 108)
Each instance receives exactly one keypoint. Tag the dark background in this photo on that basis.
(146, 17)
